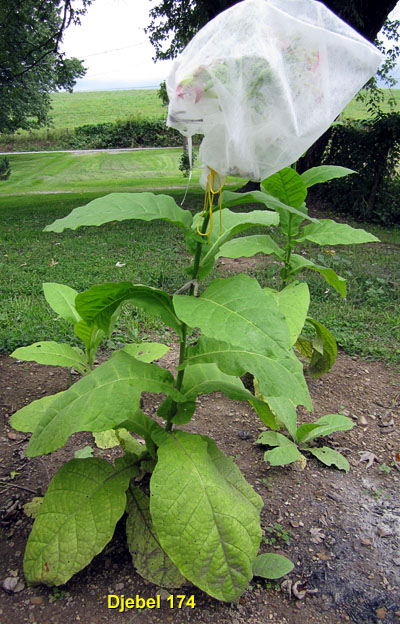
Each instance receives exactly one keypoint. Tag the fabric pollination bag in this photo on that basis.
(263, 80)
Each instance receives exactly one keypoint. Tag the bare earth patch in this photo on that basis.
(344, 530)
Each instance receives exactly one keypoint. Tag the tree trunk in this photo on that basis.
(366, 16)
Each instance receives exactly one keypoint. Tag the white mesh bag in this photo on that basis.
(263, 80)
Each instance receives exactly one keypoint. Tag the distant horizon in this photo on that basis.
(118, 85)
(83, 86)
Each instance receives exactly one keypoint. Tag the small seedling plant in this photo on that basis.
(190, 514)
(277, 532)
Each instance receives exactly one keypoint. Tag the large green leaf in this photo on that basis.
(98, 304)
(77, 518)
(329, 457)
(205, 514)
(324, 349)
(28, 417)
(293, 301)
(146, 351)
(207, 378)
(250, 333)
(52, 354)
(149, 559)
(323, 173)
(238, 311)
(122, 206)
(287, 186)
(277, 376)
(329, 232)
(325, 425)
(299, 263)
(61, 299)
(102, 400)
(248, 246)
(272, 566)
(234, 199)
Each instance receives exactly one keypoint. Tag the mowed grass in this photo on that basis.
(100, 171)
(367, 323)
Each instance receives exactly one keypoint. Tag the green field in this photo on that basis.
(77, 109)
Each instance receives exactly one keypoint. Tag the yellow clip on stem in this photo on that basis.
(209, 201)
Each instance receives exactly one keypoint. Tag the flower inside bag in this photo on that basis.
(263, 80)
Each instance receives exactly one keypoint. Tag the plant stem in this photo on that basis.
(182, 342)
(288, 253)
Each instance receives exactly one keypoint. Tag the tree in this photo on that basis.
(31, 63)
(183, 18)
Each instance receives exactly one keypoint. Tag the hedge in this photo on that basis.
(372, 149)
(128, 132)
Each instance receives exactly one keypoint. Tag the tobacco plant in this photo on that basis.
(286, 191)
(190, 513)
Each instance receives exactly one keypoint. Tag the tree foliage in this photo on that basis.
(387, 42)
(181, 19)
(31, 63)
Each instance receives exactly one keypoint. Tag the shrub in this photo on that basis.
(5, 170)
(372, 149)
(134, 131)
(184, 163)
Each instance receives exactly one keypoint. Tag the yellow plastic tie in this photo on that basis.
(209, 195)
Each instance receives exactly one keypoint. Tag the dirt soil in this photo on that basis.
(343, 529)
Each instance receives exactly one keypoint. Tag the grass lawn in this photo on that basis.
(96, 171)
(100, 171)
(77, 109)
(367, 323)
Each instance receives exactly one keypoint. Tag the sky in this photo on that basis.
(115, 49)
